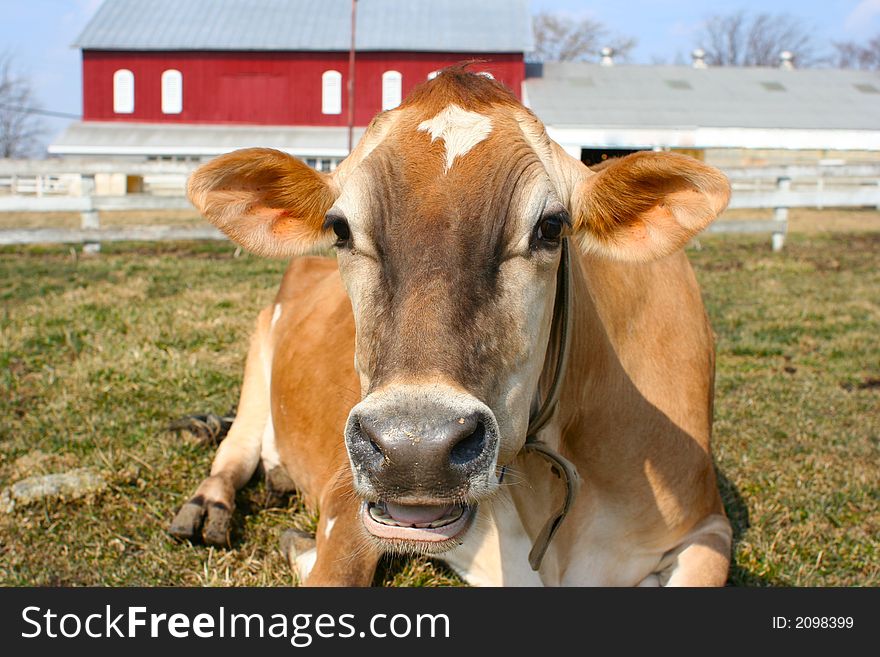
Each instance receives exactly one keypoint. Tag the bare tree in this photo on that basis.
(20, 128)
(856, 55)
(740, 39)
(561, 39)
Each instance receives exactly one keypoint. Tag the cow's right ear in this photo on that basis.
(265, 200)
(646, 205)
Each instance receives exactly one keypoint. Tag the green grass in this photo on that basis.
(97, 355)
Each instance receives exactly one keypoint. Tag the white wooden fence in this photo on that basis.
(35, 187)
(782, 188)
(89, 204)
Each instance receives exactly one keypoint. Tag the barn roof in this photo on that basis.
(108, 139)
(313, 25)
(580, 94)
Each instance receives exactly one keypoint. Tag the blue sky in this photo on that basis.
(38, 33)
(666, 28)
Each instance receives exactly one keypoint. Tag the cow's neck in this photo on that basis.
(590, 354)
(589, 360)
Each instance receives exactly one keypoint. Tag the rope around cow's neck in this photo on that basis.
(560, 330)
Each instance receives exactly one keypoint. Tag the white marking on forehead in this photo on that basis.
(459, 129)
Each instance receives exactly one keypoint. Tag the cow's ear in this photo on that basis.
(646, 205)
(265, 200)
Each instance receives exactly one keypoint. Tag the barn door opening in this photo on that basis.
(593, 156)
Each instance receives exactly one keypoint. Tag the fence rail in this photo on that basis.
(99, 235)
(86, 203)
(777, 188)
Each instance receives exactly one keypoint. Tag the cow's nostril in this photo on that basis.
(470, 446)
(370, 434)
(368, 431)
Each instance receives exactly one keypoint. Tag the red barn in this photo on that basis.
(193, 78)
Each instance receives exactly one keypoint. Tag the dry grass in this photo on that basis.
(809, 221)
(97, 355)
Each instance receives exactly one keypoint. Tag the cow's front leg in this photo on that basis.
(702, 559)
(343, 555)
(209, 511)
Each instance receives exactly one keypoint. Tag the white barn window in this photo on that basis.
(172, 92)
(123, 91)
(331, 92)
(392, 82)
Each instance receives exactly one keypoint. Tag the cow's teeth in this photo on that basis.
(379, 513)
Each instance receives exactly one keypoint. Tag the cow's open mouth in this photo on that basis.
(417, 523)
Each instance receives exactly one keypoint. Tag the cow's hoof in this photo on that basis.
(278, 486)
(209, 429)
(294, 543)
(210, 520)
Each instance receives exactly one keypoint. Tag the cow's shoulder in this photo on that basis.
(660, 342)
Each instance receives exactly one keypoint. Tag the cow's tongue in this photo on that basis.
(416, 523)
(416, 513)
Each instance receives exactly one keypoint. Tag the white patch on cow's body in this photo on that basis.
(683, 563)
(459, 129)
(269, 451)
(495, 552)
(328, 527)
(304, 563)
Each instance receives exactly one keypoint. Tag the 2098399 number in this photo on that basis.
(823, 622)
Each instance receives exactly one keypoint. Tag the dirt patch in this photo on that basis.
(868, 383)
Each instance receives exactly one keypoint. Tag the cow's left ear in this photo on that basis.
(646, 205)
(265, 200)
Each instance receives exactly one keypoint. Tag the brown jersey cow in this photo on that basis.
(394, 386)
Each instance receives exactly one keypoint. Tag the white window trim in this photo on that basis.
(123, 99)
(172, 99)
(392, 89)
(331, 92)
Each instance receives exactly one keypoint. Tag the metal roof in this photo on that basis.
(478, 26)
(124, 138)
(580, 94)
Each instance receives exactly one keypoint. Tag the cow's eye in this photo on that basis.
(549, 229)
(340, 229)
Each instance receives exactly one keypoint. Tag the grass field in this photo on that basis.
(97, 355)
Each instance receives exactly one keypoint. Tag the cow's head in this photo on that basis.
(447, 221)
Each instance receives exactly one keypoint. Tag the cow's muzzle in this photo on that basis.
(422, 459)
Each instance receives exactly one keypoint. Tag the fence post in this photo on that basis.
(89, 216)
(780, 216)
